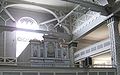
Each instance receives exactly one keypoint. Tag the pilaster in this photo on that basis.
(112, 24)
(72, 48)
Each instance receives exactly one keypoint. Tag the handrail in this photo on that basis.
(95, 66)
(91, 50)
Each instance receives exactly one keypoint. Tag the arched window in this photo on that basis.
(23, 37)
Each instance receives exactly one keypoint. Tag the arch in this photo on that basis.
(67, 30)
(29, 20)
(42, 8)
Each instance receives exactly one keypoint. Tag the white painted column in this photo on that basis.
(72, 48)
(56, 50)
(45, 48)
(115, 42)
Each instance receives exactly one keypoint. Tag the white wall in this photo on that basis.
(8, 39)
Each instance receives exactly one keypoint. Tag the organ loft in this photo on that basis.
(46, 53)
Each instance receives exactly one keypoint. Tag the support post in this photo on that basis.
(112, 24)
(72, 49)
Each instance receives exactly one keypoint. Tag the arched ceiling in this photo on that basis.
(52, 2)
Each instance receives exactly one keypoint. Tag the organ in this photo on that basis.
(46, 53)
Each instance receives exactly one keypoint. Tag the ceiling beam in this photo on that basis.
(90, 6)
(66, 16)
(6, 11)
(30, 3)
(57, 34)
(49, 21)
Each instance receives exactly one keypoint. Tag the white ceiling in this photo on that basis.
(51, 2)
(35, 5)
(99, 34)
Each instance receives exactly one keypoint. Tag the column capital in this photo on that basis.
(113, 18)
(73, 44)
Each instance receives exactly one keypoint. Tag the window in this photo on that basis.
(23, 37)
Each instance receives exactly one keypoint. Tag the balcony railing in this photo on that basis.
(94, 66)
(93, 49)
(8, 61)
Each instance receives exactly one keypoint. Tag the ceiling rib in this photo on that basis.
(91, 6)
(48, 21)
(66, 16)
(6, 11)
(42, 8)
